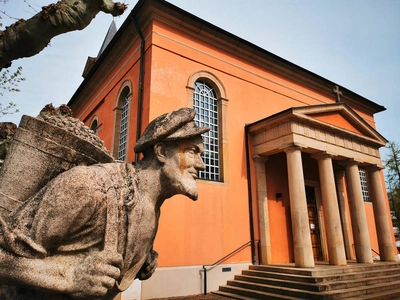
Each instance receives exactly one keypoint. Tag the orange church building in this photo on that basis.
(293, 166)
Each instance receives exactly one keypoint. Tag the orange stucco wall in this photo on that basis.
(338, 120)
(218, 222)
(371, 226)
(279, 209)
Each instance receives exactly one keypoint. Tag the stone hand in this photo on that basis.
(149, 266)
(96, 274)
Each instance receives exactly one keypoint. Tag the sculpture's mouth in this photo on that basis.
(194, 175)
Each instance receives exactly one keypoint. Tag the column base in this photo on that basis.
(337, 256)
(386, 253)
(303, 258)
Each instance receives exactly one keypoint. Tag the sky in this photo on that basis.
(354, 43)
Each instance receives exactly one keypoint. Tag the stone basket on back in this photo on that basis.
(42, 148)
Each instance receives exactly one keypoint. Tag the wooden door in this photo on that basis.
(313, 223)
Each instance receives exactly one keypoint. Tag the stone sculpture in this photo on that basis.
(89, 232)
(54, 142)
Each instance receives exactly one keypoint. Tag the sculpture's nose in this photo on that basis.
(199, 164)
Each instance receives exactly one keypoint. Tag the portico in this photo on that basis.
(336, 143)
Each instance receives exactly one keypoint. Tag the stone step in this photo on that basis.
(251, 289)
(324, 270)
(233, 296)
(248, 294)
(324, 278)
(321, 286)
(380, 280)
(386, 295)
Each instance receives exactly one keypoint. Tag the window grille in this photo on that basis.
(123, 131)
(206, 105)
(364, 185)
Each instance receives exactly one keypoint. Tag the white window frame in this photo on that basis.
(120, 136)
(123, 128)
(364, 185)
(222, 101)
(205, 103)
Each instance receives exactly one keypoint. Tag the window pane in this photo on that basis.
(364, 185)
(123, 131)
(206, 106)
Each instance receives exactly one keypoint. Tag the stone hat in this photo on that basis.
(175, 125)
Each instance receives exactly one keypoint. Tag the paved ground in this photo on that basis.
(196, 297)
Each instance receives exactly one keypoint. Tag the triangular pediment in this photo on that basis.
(341, 117)
(337, 119)
(334, 129)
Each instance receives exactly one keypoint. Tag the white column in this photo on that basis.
(339, 176)
(261, 182)
(336, 251)
(381, 216)
(359, 223)
(303, 254)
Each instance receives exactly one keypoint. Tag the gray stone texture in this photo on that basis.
(39, 152)
(84, 230)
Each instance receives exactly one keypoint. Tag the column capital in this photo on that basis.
(292, 147)
(374, 167)
(257, 158)
(350, 162)
(321, 155)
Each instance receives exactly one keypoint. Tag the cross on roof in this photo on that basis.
(337, 92)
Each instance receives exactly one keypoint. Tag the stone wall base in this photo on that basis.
(183, 281)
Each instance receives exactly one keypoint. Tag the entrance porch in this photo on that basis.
(311, 158)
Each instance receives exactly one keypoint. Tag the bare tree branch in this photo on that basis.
(392, 165)
(26, 38)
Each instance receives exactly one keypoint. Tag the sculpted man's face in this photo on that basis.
(182, 165)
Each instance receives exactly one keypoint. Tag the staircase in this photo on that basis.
(380, 280)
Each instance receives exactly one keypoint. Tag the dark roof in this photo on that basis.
(112, 30)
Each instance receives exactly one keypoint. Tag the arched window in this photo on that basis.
(121, 125)
(94, 126)
(207, 96)
(123, 128)
(206, 105)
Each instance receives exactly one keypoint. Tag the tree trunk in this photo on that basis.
(26, 38)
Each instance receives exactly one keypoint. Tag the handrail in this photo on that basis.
(371, 250)
(375, 252)
(221, 260)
